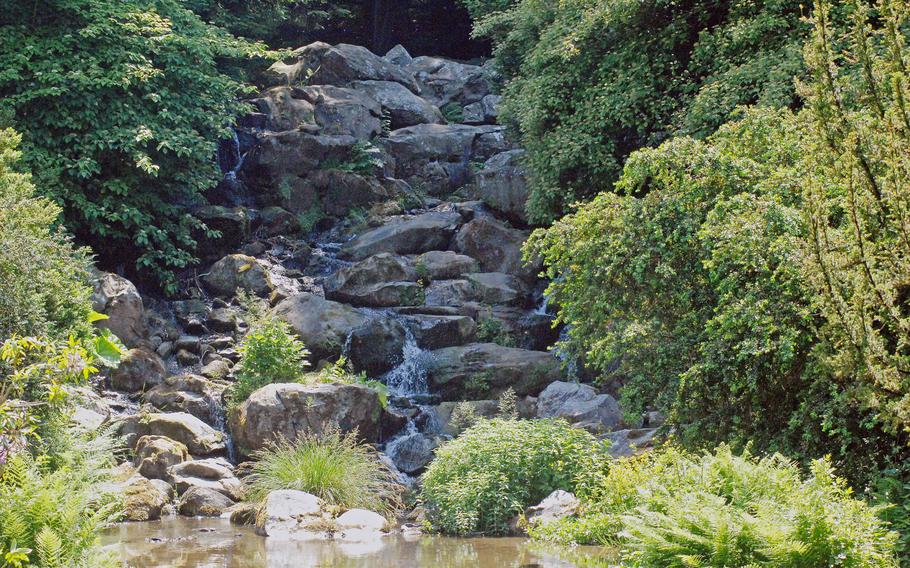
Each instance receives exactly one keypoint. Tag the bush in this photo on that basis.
(673, 509)
(497, 468)
(269, 353)
(121, 104)
(43, 278)
(589, 82)
(333, 467)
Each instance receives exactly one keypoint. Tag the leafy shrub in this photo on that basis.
(52, 516)
(333, 466)
(589, 82)
(674, 509)
(121, 104)
(43, 278)
(341, 372)
(496, 468)
(269, 353)
(364, 159)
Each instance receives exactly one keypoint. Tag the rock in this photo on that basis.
(496, 247)
(335, 192)
(497, 288)
(190, 394)
(222, 320)
(139, 369)
(155, 454)
(503, 185)
(322, 64)
(376, 346)
(625, 443)
(277, 221)
(411, 453)
(214, 474)
(285, 109)
(216, 369)
(487, 369)
(411, 235)
(436, 332)
(444, 265)
(118, 299)
(557, 505)
(238, 272)
(338, 110)
(404, 108)
(480, 409)
(360, 525)
(186, 358)
(199, 438)
(449, 293)
(399, 56)
(444, 81)
(473, 114)
(244, 514)
(486, 111)
(579, 404)
(322, 325)
(290, 515)
(203, 502)
(287, 411)
(281, 161)
(380, 281)
(142, 500)
(191, 343)
(232, 223)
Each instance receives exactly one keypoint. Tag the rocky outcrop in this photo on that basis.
(496, 247)
(487, 369)
(288, 411)
(581, 405)
(118, 299)
(503, 185)
(238, 272)
(322, 325)
(444, 81)
(413, 235)
(403, 107)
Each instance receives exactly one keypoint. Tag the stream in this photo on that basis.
(179, 542)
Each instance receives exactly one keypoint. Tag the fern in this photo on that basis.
(49, 548)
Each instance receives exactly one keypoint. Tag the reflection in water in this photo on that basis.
(208, 543)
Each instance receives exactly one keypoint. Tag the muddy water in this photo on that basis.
(207, 543)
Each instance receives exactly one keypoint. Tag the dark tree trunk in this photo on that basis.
(382, 16)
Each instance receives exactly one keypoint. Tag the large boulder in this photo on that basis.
(377, 346)
(383, 280)
(438, 331)
(142, 499)
(233, 224)
(285, 108)
(282, 160)
(409, 235)
(445, 81)
(215, 474)
(496, 246)
(321, 324)
(485, 111)
(288, 411)
(444, 265)
(139, 369)
(487, 369)
(203, 502)
(238, 272)
(188, 393)
(323, 64)
(399, 56)
(497, 288)
(579, 404)
(291, 515)
(335, 192)
(338, 110)
(412, 452)
(502, 184)
(198, 437)
(404, 108)
(118, 299)
(155, 454)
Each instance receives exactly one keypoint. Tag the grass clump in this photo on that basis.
(333, 467)
(677, 509)
(496, 468)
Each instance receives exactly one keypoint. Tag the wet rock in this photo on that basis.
(155, 454)
(436, 332)
(321, 324)
(188, 393)
(412, 235)
(191, 343)
(376, 347)
(404, 108)
(203, 502)
(581, 405)
(292, 515)
(323, 64)
(277, 221)
(411, 453)
(487, 369)
(287, 411)
(238, 272)
(214, 474)
(282, 160)
(139, 369)
(557, 505)
(199, 438)
(496, 247)
(117, 298)
(444, 81)
(142, 500)
(444, 265)
(502, 184)
(232, 223)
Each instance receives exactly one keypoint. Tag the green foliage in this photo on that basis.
(51, 516)
(121, 104)
(309, 218)
(43, 278)
(453, 113)
(674, 509)
(590, 81)
(365, 158)
(491, 330)
(495, 469)
(332, 466)
(341, 372)
(891, 492)
(269, 353)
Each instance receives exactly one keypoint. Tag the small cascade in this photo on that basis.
(542, 308)
(219, 422)
(230, 158)
(409, 378)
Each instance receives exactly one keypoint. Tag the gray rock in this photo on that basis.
(486, 370)
(215, 474)
(203, 502)
(117, 298)
(238, 272)
(321, 324)
(281, 161)
(444, 265)
(232, 223)
(155, 454)
(380, 281)
(625, 443)
(503, 185)
(336, 192)
(444, 81)
(404, 108)
(286, 109)
(376, 346)
(322, 64)
(142, 499)
(411, 235)
(216, 369)
(139, 369)
(557, 505)
(291, 515)
(497, 288)
(360, 525)
(278, 221)
(496, 247)
(199, 438)
(287, 411)
(399, 56)
(188, 393)
(341, 111)
(579, 404)
(411, 453)
(438, 331)
(222, 320)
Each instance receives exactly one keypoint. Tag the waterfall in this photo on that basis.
(409, 378)
(230, 158)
